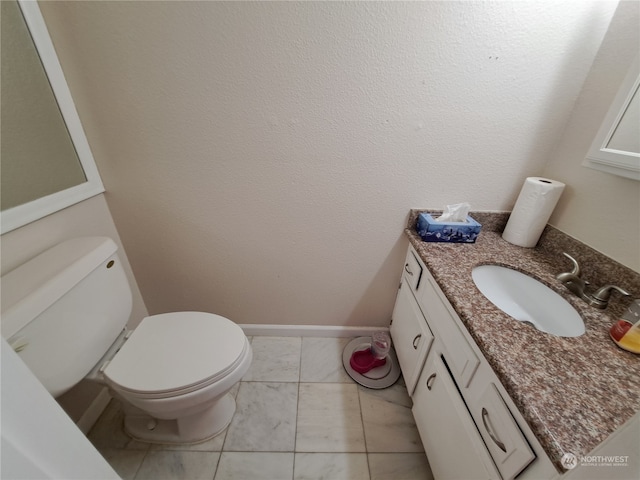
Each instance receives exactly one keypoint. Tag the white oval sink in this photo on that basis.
(528, 300)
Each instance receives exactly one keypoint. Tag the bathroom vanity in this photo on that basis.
(496, 398)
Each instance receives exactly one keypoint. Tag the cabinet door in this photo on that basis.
(451, 440)
(411, 335)
(461, 358)
(508, 446)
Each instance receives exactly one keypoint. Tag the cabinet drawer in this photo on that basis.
(411, 336)
(451, 441)
(461, 358)
(509, 449)
(412, 270)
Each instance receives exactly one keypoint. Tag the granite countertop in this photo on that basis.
(573, 392)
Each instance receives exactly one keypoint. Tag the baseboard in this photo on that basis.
(91, 415)
(308, 330)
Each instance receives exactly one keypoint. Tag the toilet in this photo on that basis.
(65, 312)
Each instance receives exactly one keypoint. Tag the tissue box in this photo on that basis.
(453, 232)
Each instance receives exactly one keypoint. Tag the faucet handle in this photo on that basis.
(576, 267)
(603, 293)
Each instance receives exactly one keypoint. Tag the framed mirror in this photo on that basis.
(46, 161)
(616, 148)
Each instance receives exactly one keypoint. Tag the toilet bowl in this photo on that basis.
(176, 370)
(65, 312)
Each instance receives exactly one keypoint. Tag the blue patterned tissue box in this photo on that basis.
(453, 232)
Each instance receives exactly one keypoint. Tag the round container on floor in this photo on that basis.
(377, 378)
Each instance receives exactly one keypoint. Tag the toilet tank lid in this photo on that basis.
(34, 286)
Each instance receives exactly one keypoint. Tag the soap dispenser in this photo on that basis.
(626, 331)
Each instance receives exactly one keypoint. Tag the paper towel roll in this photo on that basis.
(532, 210)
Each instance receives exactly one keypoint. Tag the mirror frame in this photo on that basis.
(21, 215)
(617, 162)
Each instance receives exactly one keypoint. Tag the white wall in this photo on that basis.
(602, 210)
(260, 157)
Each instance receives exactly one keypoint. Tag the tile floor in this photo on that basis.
(299, 416)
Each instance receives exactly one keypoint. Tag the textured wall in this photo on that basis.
(260, 158)
(600, 208)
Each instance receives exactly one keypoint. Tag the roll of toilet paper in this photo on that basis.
(532, 210)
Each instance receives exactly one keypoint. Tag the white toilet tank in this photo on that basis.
(63, 309)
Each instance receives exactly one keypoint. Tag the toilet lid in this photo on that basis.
(174, 351)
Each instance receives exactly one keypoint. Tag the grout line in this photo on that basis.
(144, 457)
(215, 472)
(295, 436)
(364, 434)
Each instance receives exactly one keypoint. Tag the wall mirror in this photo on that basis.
(616, 147)
(46, 162)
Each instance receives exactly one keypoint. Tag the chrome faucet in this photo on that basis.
(574, 283)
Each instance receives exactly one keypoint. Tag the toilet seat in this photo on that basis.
(173, 354)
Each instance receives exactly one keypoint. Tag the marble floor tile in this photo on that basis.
(212, 445)
(125, 462)
(336, 428)
(255, 466)
(163, 465)
(265, 418)
(275, 359)
(322, 360)
(329, 419)
(399, 466)
(388, 422)
(108, 431)
(331, 466)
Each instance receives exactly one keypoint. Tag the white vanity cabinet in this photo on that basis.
(451, 440)
(411, 334)
(469, 426)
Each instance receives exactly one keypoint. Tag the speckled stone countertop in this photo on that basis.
(573, 392)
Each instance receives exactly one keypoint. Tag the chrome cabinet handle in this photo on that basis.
(416, 341)
(430, 380)
(406, 269)
(485, 421)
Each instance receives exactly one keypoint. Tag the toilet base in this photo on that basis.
(195, 428)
